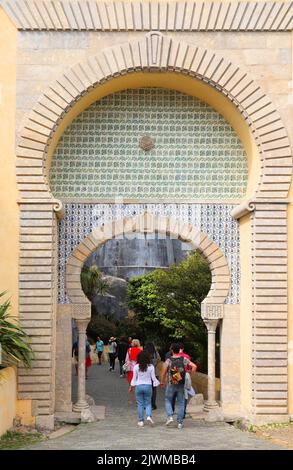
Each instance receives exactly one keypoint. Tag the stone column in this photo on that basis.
(211, 406)
(63, 374)
(81, 403)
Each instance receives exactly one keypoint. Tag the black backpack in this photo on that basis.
(177, 371)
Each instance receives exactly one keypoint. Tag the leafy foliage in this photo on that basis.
(105, 327)
(92, 282)
(167, 304)
(14, 341)
(101, 326)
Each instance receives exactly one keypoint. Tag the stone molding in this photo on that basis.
(154, 53)
(243, 209)
(94, 15)
(250, 205)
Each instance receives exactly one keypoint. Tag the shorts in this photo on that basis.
(100, 354)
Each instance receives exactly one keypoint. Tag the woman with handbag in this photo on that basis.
(131, 358)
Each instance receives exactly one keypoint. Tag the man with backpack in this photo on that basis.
(174, 371)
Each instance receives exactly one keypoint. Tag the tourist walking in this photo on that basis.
(155, 358)
(174, 371)
(182, 352)
(122, 349)
(75, 356)
(99, 349)
(112, 352)
(131, 358)
(188, 389)
(143, 379)
(88, 361)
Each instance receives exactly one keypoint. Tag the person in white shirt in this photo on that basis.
(112, 352)
(143, 379)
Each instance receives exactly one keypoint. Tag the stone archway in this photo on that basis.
(152, 54)
(157, 53)
(212, 306)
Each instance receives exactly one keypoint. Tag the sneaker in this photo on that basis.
(150, 421)
(140, 424)
(180, 425)
(169, 421)
(121, 376)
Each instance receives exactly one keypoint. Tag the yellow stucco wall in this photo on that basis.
(7, 398)
(9, 214)
(9, 226)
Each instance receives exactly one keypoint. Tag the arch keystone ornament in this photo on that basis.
(154, 48)
(158, 53)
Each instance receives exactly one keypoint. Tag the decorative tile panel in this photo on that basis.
(213, 219)
(196, 154)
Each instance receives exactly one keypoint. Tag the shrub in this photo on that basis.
(14, 341)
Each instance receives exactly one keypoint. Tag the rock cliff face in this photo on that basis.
(114, 303)
(120, 260)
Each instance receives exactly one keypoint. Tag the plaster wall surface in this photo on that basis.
(8, 194)
(7, 398)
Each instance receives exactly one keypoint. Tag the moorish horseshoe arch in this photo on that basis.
(212, 306)
(150, 223)
(155, 53)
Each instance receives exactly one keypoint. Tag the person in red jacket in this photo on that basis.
(131, 358)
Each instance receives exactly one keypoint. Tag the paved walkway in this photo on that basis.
(119, 430)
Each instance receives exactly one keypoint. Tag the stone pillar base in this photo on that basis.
(87, 416)
(260, 420)
(45, 422)
(80, 405)
(212, 412)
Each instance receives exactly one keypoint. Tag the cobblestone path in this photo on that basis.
(119, 429)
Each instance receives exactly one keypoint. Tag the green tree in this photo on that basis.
(14, 341)
(101, 326)
(92, 282)
(167, 304)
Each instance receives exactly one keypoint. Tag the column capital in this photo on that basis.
(81, 311)
(211, 324)
(82, 324)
